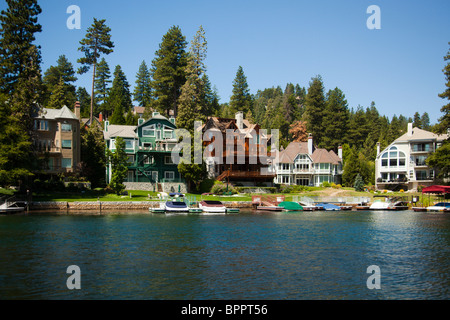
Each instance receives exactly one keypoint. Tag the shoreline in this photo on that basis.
(115, 205)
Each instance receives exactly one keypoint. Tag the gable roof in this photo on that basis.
(53, 114)
(420, 134)
(324, 156)
(292, 150)
(157, 117)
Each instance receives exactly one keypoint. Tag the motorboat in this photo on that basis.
(439, 207)
(329, 207)
(388, 205)
(269, 208)
(176, 206)
(212, 206)
(290, 206)
(307, 207)
(4, 208)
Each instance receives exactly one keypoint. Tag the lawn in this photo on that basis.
(138, 195)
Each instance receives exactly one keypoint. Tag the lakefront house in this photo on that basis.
(301, 163)
(402, 164)
(57, 138)
(148, 147)
(240, 158)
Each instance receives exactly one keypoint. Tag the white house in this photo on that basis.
(402, 164)
(303, 164)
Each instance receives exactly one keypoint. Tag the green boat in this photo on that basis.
(233, 210)
(290, 206)
(195, 210)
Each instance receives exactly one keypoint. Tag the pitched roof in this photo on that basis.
(420, 134)
(324, 156)
(292, 150)
(52, 114)
(120, 131)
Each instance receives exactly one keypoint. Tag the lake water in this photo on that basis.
(251, 255)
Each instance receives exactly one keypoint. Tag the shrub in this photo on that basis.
(326, 184)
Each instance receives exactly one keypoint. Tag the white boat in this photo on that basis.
(4, 208)
(212, 206)
(176, 207)
(307, 206)
(388, 205)
(439, 207)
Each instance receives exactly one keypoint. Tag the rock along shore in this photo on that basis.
(114, 205)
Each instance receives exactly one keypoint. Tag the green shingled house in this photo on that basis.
(148, 146)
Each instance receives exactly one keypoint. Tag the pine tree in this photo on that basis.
(119, 169)
(240, 100)
(315, 108)
(119, 97)
(101, 86)
(425, 120)
(336, 117)
(143, 89)
(359, 183)
(93, 155)
(444, 120)
(192, 102)
(18, 25)
(417, 123)
(58, 97)
(85, 101)
(358, 128)
(62, 71)
(17, 157)
(168, 71)
(96, 42)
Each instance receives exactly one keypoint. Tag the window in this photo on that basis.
(168, 160)
(66, 127)
(41, 125)
(168, 134)
(285, 179)
(66, 163)
(66, 144)
(148, 131)
(393, 158)
(148, 159)
(129, 144)
(169, 175)
(130, 158)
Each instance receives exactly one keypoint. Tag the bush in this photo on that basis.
(221, 188)
(326, 184)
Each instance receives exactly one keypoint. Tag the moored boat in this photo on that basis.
(439, 207)
(5, 208)
(176, 207)
(212, 206)
(329, 207)
(269, 208)
(290, 206)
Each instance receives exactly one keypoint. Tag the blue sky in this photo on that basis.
(278, 42)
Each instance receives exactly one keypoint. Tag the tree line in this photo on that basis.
(175, 81)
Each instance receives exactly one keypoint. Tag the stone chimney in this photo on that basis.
(410, 129)
(340, 152)
(240, 120)
(78, 110)
(310, 144)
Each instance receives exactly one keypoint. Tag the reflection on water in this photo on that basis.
(252, 255)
